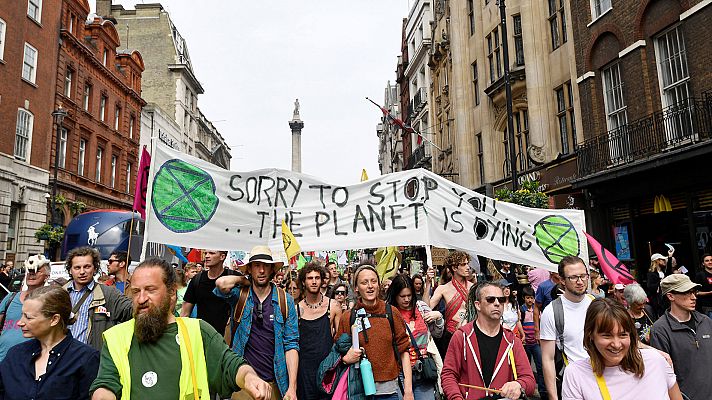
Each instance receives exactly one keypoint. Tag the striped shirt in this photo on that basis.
(80, 329)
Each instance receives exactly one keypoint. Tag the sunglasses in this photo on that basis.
(110, 261)
(259, 313)
(491, 299)
(340, 292)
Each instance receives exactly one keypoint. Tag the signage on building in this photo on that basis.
(165, 138)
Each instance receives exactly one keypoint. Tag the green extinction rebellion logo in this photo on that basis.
(557, 238)
(183, 196)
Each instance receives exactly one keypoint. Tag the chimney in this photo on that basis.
(103, 8)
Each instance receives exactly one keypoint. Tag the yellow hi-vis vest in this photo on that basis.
(118, 340)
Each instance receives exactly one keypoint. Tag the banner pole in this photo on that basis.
(149, 194)
(131, 228)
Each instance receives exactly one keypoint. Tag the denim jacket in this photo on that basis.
(286, 334)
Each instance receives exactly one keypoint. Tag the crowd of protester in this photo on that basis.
(263, 331)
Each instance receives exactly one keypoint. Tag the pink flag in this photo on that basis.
(142, 183)
(615, 270)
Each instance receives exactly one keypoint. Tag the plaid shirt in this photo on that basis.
(286, 334)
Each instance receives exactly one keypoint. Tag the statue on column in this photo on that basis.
(296, 109)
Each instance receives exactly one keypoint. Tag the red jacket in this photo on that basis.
(459, 365)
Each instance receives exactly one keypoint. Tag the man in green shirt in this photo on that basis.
(158, 356)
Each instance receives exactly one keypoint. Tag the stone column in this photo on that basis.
(296, 126)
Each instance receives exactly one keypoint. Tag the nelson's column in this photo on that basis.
(296, 125)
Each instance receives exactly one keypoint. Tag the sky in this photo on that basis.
(254, 58)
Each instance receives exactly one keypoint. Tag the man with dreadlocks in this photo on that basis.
(455, 295)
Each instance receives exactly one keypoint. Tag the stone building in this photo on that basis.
(28, 65)
(390, 143)
(468, 94)
(644, 72)
(169, 81)
(99, 86)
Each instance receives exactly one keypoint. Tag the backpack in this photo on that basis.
(236, 315)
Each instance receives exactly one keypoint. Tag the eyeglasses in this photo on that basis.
(491, 299)
(259, 313)
(340, 293)
(574, 278)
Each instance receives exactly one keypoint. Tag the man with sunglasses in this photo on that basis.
(574, 304)
(484, 354)
(118, 267)
(686, 335)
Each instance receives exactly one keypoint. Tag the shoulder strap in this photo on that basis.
(81, 301)
(240, 306)
(4, 311)
(558, 308)
(412, 342)
(282, 299)
(602, 387)
(389, 316)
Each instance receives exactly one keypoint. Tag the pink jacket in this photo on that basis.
(459, 365)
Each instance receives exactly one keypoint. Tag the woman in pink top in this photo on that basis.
(616, 367)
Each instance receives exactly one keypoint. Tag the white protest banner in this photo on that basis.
(196, 204)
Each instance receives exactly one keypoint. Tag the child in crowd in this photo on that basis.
(531, 344)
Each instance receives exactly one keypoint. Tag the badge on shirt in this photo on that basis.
(102, 310)
(362, 321)
(149, 379)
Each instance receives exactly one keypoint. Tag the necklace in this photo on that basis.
(314, 306)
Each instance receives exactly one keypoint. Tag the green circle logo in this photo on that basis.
(183, 196)
(557, 238)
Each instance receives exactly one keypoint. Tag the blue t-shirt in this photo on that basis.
(543, 293)
(11, 333)
(259, 351)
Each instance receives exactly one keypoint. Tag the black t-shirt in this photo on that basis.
(211, 308)
(704, 278)
(489, 346)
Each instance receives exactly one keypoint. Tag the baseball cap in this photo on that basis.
(657, 256)
(503, 282)
(678, 283)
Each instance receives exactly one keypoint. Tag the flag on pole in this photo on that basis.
(388, 260)
(402, 125)
(615, 270)
(142, 183)
(301, 261)
(291, 247)
(364, 175)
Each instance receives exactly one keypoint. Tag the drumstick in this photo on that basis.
(481, 388)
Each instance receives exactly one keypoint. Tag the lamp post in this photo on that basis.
(508, 94)
(58, 115)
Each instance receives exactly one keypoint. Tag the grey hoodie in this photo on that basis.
(690, 350)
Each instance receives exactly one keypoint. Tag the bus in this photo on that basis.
(107, 231)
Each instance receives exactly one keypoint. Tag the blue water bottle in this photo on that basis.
(369, 385)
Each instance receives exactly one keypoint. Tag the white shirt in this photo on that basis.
(574, 319)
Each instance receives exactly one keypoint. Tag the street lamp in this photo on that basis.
(58, 115)
(508, 94)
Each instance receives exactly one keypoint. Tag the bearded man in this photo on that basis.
(158, 356)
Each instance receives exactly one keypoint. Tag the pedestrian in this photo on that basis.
(318, 319)
(531, 343)
(279, 279)
(421, 323)
(418, 286)
(97, 307)
(596, 282)
(385, 285)
(381, 334)
(570, 307)
(616, 367)
(341, 293)
(211, 308)
(704, 279)
(510, 310)
(642, 313)
(181, 287)
(660, 267)
(455, 295)
(686, 335)
(536, 276)
(484, 354)
(294, 290)
(266, 329)
(334, 278)
(117, 265)
(159, 356)
(618, 295)
(5, 276)
(11, 306)
(51, 364)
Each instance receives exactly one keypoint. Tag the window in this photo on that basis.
(507, 162)
(493, 55)
(87, 97)
(23, 134)
(11, 242)
(132, 121)
(99, 156)
(105, 57)
(521, 130)
(557, 23)
(476, 83)
(113, 171)
(102, 108)
(674, 78)
(128, 177)
(616, 115)
(82, 156)
(2, 38)
(117, 117)
(481, 157)
(29, 63)
(34, 9)
(68, 83)
(471, 15)
(561, 116)
(62, 148)
(518, 42)
(572, 117)
(598, 7)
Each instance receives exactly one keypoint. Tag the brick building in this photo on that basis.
(100, 88)
(644, 75)
(28, 65)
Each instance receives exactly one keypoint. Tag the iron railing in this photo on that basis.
(420, 158)
(681, 124)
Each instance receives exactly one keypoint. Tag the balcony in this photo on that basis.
(421, 158)
(673, 128)
(420, 99)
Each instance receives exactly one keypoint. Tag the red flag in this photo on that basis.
(142, 183)
(615, 270)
